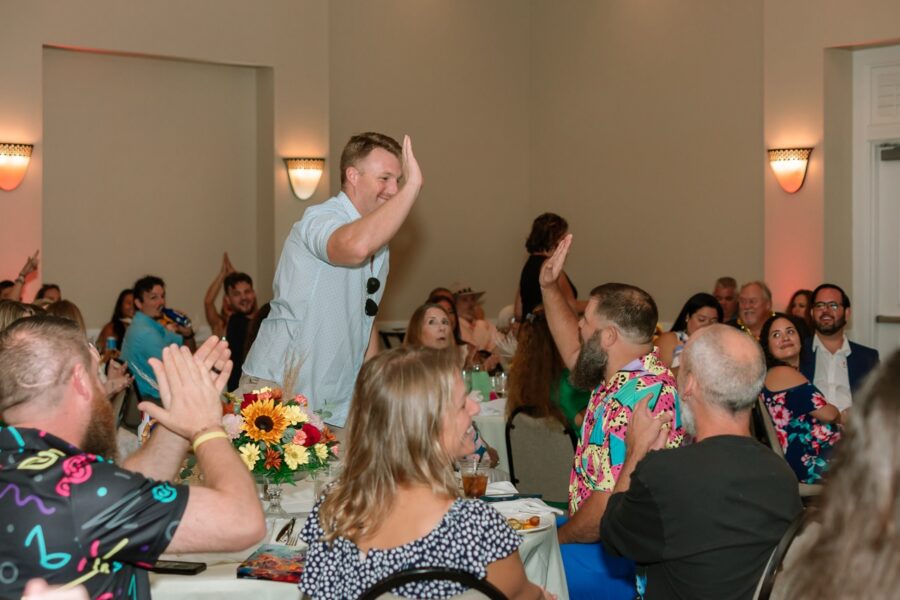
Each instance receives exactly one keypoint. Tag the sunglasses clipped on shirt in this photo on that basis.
(372, 286)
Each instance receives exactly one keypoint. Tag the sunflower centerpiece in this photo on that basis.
(279, 440)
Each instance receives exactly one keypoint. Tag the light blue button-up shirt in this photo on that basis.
(318, 316)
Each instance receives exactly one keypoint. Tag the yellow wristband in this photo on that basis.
(202, 439)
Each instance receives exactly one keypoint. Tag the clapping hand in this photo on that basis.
(412, 174)
(553, 266)
(227, 267)
(213, 356)
(647, 431)
(117, 378)
(188, 390)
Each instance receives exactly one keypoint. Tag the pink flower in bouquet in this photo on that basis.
(316, 421)
(232, 425)
(299, 438)
(301, 400)
(313, 435)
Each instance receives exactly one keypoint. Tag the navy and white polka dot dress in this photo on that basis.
(469, 537)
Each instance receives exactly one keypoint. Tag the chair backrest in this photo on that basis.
(807, 490)
(769, 427)
(773, 567)
(540, 453)
(432, 574)
(130, 416)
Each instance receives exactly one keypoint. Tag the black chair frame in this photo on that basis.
(781, 550)
(402, 578)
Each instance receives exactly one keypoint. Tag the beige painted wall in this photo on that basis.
(455, 76)
(150, 168)
(646, 126)
(807, 102)
(600, 110)
(286, 37)
(565, 107)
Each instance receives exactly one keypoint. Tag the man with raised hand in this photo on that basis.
(331, 278)
(609, 350)
(75, 517)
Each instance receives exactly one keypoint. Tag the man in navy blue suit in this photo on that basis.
(832, 362)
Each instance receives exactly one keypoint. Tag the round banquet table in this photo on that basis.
(539, 551)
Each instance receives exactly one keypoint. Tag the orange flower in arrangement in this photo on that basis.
(273, 459)
(264, 421)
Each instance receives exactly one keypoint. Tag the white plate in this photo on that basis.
(546, 522)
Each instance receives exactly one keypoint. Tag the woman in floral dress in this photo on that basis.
(806, 424)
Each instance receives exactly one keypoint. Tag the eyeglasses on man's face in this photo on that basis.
(834, 306)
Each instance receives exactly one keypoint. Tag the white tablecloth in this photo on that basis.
(539, 552)
(491, 424)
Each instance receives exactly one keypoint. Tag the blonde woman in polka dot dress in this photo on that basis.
(396, 505)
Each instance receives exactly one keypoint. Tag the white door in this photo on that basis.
(887, 248)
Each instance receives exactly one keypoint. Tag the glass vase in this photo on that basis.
(271, 493)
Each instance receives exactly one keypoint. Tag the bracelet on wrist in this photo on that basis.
(202, 437)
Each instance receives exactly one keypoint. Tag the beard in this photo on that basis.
(836, 325)
(687, 418)
(100, 437)
(590, 368)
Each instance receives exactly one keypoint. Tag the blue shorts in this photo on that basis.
(591, 573)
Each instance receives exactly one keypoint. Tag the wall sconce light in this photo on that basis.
(304, 174)
(14, 159)
(789, 166)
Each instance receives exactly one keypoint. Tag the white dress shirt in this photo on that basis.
(832, 377)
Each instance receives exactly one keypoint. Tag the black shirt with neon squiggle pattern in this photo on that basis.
(75, 518)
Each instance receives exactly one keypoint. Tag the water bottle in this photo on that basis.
(177, 317)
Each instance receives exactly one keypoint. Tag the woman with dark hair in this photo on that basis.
(807, 426)
(121, 319)
(539, 380)
(858, 553)
(50, 293)
(546, 232)
(396, 502)
(701, 310)
(800, 306)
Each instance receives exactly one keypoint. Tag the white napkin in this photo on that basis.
(501, 488)
(494, 408)
(530, 506)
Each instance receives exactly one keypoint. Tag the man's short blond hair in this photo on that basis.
(37, 355)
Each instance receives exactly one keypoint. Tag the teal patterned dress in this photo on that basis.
(807, 442)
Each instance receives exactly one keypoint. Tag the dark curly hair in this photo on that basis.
(546, 231)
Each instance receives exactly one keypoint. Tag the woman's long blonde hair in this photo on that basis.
(393, 438)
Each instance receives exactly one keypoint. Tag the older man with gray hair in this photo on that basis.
(701, 521)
